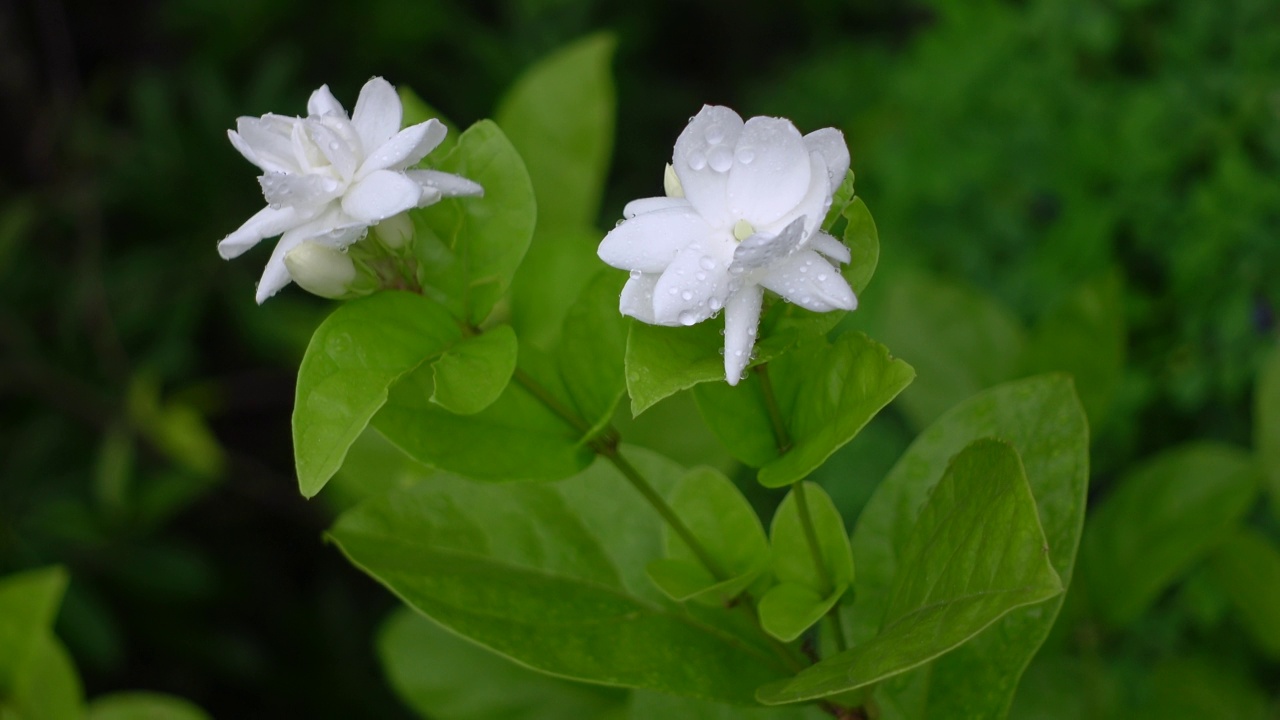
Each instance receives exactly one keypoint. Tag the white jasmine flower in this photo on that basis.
(328, 177)
(743, 213)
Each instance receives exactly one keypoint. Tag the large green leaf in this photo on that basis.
(28, 604)
(471, 375)
(552, 575)
(976, 553)
(1043, 420)
(826, 392)
(1266, 424)
(645, 705)
(356, 354)
(558, 266)
(143, 706)
(560, 117)
(726, 526)
(805, 591)
(959, 340)
(1163, 517)
(1247, 567)
(444, 677)
(591, 350)
(468, 248)
(47, 687)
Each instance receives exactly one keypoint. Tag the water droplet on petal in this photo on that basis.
(720, 158)
(672, 291)
(619, 223)
(716, 304)
(333, 145)
(686, 295)
(822, 277)
(635, 274)
(697, 160)
(715, 134)
(751, 332)
(745, 155)
(707, 263)
(701, 276)
(804, 268)
(688, 318)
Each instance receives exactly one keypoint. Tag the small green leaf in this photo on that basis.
(662, 361)
(1247, 567)
(805, 593)
(976, 553)
(144, 706)
(839, 202)
(591, 350)
(468, 248)
(727, 527)
(560, 117)
(28, 604)
(470, 375)
(826, 392)
(552, 576)
(48, 687)
(444, 677)
(863, 241)
(1266, 424)
(1042, 418)
(356, 354)
(1162, 517)
(960, 341)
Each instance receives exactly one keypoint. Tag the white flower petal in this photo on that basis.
(702, 158)
(809, 281)
(648, 205)
(770, 173)
(378, 113)
(405, 148)
(761, 250)
(814, 205)
(265, 142)
(694, 287)
(300, 191)
(380, 195)
(322, 102)
(650, 242)
(445, 184)
(829, 142)
(266, 223)
(335, 149)
(741, 316)
(276, 274)
(831, 247)
(332, 228)
(637, 297)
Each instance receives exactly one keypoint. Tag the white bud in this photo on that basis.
(395, 232)
(671, 183)
(321, 270)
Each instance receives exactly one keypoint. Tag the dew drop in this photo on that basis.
(333, 145)
(697, 160)
(672, 291)
(686, 295)
(688, 318)
(804, 268)
(707, 263)
(720, 158)
(715, 134)
(716, 304)
(822, 277)
(745, 155)
(619, 223)
(635, 274)
(751, 332)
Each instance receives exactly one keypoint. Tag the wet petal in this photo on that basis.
(405, 148)
(445, 184)
(301, 191)
(265, 142)
(809, 281)
(761, 250)
(648, 205)
(378, 114)
(380, 195)
(323, 102)
(702, 158)
(335, 149)
(694, 287)
(276, 274)
(830, 144)
(770, 174)
(637, 297)
(741, 316)
(650, 242)
(814, 205)
(831, 247)
(266, 223)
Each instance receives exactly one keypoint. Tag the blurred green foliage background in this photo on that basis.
(1080, 185)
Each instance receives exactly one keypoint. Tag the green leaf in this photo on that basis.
(356, 354)
(1247, 567)
(143, 706)
(373, 466)
(1161, 518)
(722, 520)
(470, 375)
(1085, 336)
(417, 110)
(469, 248)
(976, 553)
(552, 576)
(959, 340)
(1043, 420)
(560, 117)
(1266, 424)
(826, 391)
(28, 605)
(48, 687)
(804, 593)
(645, 705)
(1201, 687)
(863, 240)
(554, 273)
(444, 677)
(591, 350)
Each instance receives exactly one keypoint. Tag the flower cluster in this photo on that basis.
(329, 177)
(743, 213)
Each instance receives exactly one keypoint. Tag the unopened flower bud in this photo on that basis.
(671, 183)
(321, 270)
(395, 232)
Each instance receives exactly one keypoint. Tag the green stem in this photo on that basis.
(811, 537)
(775, 413)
